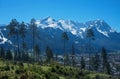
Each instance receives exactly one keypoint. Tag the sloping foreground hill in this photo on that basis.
(20, 70)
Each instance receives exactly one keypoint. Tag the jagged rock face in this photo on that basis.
(50, 31)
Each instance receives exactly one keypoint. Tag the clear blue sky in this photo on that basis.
(77, 10)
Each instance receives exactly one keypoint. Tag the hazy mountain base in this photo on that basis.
(22, 70)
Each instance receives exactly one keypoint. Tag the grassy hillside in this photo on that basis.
(21, 70)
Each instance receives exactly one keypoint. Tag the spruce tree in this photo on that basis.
(9, 55)
(73, 55)
(105, 63)
(66, 59)
(23, 56)
(104, 57)
(92, 63)
(96, 62)
(15, 55)
(108, 68)
(82, 62)
(2, 52)
(37, 52)
(49, 54)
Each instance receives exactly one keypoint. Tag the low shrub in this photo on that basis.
(12, 67)
(97, 77)
(49, 75)
(15, 77)
(19, 71)
(24, 77)
(4, 77)
(20, 64)
(14, 62)
(6, 68)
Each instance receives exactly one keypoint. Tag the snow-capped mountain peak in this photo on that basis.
(101, 26)
(75, 28)
(48, 20)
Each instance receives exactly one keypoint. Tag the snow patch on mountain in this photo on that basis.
(103, 32)
(3, 40)
(83, 29)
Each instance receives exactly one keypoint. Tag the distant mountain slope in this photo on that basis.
(50, 31)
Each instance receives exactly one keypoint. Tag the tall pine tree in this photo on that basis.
(22, 33)
(105, 63)
(13, 28)
(34, 32)
(90, 36)
(65, 38)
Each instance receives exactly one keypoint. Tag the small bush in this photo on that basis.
(7, 68)
(23, 77)
(97, 77)
(53, 70)
(14, 63)
(49, 75)
(15, 77)
(54, 76)
(19, 71)
(86, 77)
(4, 77)
(81, 73)
(57, 66)
(20, 64)
(12, 67)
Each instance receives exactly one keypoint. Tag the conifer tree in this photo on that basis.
(66, 59)
(105, 63)
(15, 55)
(9, 55)
(73, 55)
(13, 28)
(37, 52)
(2, 52)
(90, 36)
(22, 33)
(49, 54)
(92, 63)
(65, 38)
(34, 32)
(33, 28)
(82, 62)
(97, 62)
